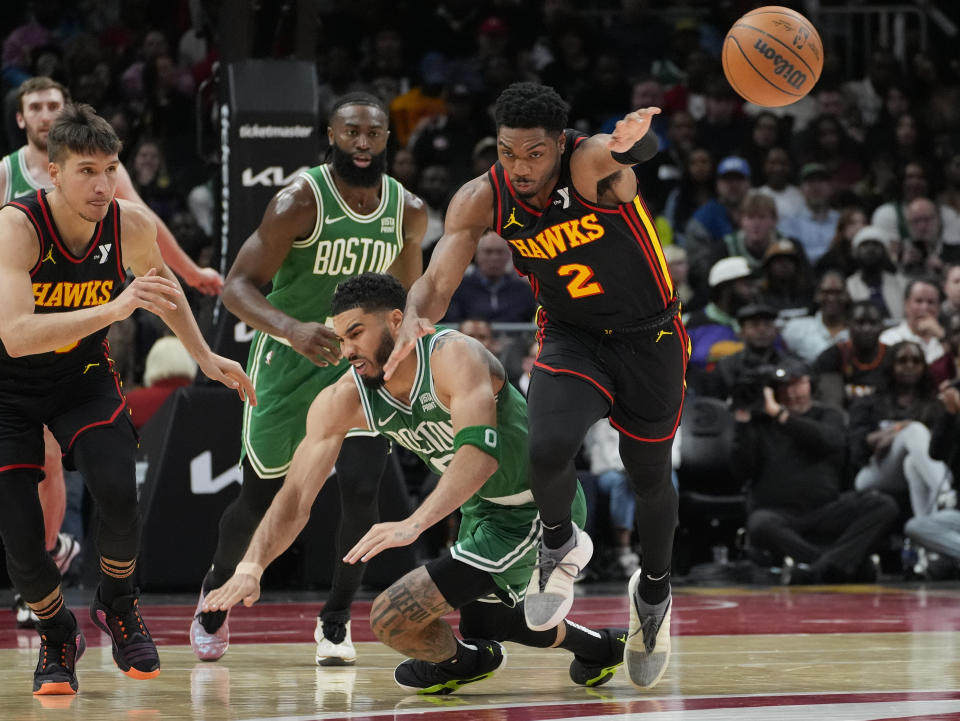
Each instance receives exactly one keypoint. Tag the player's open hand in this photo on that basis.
(150, 291)
(207, 281)
(629, 130)
(380, 537)
(316, 342)
(230, 373)
(240, 587)
(411, 330)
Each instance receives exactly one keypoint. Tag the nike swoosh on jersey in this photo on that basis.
(330, 221)
(384, 421)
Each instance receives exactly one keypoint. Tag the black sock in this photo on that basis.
(116, 579)
(585, 642)
(216, 577)
(55, 621)
(463, 660)
(654, 587)
(557, 534)
(211, 621)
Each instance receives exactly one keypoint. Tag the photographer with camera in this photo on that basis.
(745, 370)
(790, 452)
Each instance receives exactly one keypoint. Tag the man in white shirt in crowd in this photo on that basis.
(810, 335)
(920, 309)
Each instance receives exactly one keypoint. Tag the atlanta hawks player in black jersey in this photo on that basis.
(65, 255)
(611, 340)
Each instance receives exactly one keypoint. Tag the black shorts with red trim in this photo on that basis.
(67, 406)
(640, 373)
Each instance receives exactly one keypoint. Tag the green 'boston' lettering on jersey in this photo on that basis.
(423, 425)
(343, 244)
(19, 180)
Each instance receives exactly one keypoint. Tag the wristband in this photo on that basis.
(249, 569)
(485, 438)
(640, 151)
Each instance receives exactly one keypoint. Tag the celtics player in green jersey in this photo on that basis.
(448, 402)
(333, 222)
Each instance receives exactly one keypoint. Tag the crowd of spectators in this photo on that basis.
(826, 231)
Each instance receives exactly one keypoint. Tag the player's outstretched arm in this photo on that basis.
(603, 157)
(206, 280)
(24, 332)
(290, 215)
(469, 215)
(142, 256)
(334, 411)
(462, 378)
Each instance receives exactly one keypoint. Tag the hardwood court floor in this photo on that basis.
(855, 653)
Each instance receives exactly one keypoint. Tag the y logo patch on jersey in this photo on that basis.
(512, 220)
(49, 256)
(104, 252)
(426, 401)
(565, 194)
(388, 225)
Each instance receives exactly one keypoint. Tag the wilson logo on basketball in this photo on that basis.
(781, 66)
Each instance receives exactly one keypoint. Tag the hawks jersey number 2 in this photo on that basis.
(582, 284)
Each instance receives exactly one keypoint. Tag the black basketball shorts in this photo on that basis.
(641, 374)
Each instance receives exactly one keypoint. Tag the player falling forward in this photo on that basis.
(448, 402)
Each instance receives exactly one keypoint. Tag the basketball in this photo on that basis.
(772, 56)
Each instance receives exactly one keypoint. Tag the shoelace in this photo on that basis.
(131, 618)
(547, 563)
(67, 653)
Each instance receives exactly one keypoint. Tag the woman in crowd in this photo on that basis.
(890, 432)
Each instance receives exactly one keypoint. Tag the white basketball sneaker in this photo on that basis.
(549, 595)
(334, 647)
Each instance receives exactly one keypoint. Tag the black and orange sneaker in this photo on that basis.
(134, 651)
(60, 649)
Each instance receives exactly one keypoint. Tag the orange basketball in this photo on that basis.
(772, 56)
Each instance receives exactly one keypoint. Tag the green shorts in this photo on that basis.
(503, 541)
(286, 384)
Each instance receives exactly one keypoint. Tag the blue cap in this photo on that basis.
(734, 164)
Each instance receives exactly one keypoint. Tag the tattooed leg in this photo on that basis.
(407, 618)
